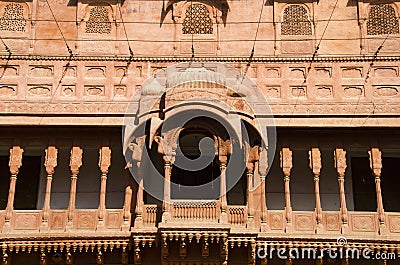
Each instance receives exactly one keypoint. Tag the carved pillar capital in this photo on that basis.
(340, 162)
(315, 161)
(375, 159)
(104, 159)
(50, 161)
(286, 161)
(15, 159)
(76, 160)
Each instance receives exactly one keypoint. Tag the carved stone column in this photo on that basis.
(75, 163)
(340, 164)
(250, 200)
(137, 150)
(315, 165)
(222, 190)
(167, 189)
(224, 149)
(104, 164)
(127, 209)
(50, 163)
(262, 166)
(286, 165)
(15, 163)
(375, 158)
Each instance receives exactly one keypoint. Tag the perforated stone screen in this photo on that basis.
(296, 21)
(382, 20)
(13, 18)
(99, 21)
(197, 20)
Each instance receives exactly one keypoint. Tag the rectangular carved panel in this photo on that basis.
(26, 221)
(332, 221)
(363, 222)
(304, 221)
(114, 219)
(276, 220)
(394, 223)
(85, 219)
(41, 71)
(58, 220)
(2, 215)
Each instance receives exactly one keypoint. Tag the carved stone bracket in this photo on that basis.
(375, 157)
(340, 164)
(104, 164)
(50, 163)
(316, 165)
(286, 165)
(15, 163)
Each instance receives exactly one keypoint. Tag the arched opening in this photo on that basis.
(191, 141)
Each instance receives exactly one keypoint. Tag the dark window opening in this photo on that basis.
(189, 181)
(26, 191)
(4, 181)
(389, 184)
(363, 185)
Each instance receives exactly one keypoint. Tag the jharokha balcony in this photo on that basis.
(312, 194)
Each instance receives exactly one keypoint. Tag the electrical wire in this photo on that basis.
(59, 28)
(254, 43)
(126, 34)
(308, 70)
(366, 80)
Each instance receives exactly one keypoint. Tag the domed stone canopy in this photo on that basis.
(192, 75)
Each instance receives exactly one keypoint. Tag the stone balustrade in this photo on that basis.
(150, 214)
(196, 210)
(237, 215)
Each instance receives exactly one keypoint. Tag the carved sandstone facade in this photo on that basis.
(77, 189)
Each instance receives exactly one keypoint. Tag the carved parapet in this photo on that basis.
(15, 159)
(104, 159)
(76, 160)
(50, 161)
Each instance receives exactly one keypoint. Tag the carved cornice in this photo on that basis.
(262, 59)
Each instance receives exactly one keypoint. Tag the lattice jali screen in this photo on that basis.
(296, 21)
(197, 20)
(382, 20)
(13, 18)
(99, 21)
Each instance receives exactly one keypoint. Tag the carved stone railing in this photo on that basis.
(237, 215)
(196, 210)
(150, 214)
